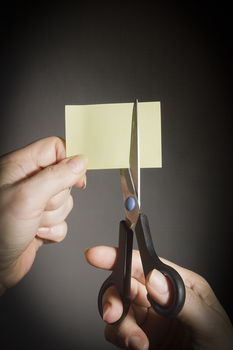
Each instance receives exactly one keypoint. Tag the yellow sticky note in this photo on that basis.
(102, 132)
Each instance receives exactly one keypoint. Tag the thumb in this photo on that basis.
(160, 289)
(39, 188)
(201, 305)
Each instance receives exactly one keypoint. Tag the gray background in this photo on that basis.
(100, 52)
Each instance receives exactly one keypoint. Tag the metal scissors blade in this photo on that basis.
(134, 157)
(130, 177)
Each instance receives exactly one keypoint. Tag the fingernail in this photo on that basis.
(78, 163)
(137, 343)
(43, 230)
(158, 282)
(106, 309)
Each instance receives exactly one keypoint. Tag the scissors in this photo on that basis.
(137, 222)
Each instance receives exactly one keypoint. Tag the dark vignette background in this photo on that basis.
(100, 52)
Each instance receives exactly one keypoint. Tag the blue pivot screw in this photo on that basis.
(130, 203)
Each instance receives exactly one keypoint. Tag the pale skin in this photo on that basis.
(35, 200)
(201, 325)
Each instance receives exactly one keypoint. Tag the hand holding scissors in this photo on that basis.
(137, 222)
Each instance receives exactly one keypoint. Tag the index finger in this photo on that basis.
(32, 158)
(104, 257)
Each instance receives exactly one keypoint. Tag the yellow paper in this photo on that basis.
(102, 132)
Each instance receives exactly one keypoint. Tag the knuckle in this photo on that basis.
(52, 203)
(57, 200)
(58, 142)
(202, 282)
(53, 173)
(54, 142)
(202, 289)
(54, 139)
(204, 285)
(50, 170)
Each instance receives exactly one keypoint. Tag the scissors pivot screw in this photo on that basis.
(130, 203)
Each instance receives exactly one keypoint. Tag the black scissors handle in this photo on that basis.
(150, 261)
(120, 278)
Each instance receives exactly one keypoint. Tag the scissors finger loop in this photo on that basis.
(177, 291)
(121, 275)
